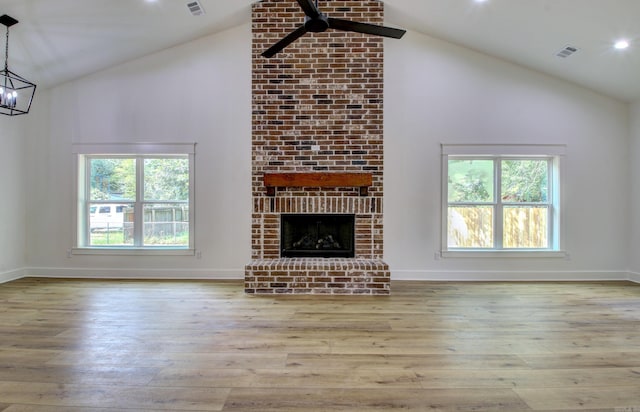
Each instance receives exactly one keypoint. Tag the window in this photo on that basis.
(501, 198)
(135, 198)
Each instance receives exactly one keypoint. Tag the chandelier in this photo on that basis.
(16, 92)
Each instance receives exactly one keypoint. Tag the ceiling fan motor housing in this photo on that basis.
(316, 24)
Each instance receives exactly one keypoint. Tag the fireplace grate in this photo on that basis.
(317, 235)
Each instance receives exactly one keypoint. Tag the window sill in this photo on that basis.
(504, 254)
(159, 251)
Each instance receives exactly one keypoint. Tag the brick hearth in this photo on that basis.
(317, 108)
(319, 276)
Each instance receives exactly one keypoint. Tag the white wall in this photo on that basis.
(436, 92)
(197, 92)
(634, 153)
(12, 197)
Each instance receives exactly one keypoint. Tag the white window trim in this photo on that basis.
(128, 149)
(556, 151)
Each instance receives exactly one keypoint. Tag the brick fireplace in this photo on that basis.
(317, 148)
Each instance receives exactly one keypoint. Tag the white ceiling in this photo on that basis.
(59, 40)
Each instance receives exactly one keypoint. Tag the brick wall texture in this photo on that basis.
(317, 107)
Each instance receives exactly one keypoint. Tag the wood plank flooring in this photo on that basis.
(98, 346)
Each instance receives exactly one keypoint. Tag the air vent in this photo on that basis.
(195, 8)
(566, 52)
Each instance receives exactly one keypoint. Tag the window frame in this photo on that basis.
(496, 153)
(83, 153)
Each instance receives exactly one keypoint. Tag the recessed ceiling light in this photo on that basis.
(621, 44)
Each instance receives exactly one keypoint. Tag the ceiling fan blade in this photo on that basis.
(287, 40)
(366, 28)
(309, 8)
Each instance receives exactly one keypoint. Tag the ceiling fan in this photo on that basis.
(316, 22)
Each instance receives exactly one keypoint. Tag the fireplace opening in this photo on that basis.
(317, 235)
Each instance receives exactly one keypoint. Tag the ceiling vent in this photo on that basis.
(566, 52)
(195, 8)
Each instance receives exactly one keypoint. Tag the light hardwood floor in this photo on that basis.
(88, 345)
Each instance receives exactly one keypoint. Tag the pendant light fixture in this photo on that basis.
(16, 92)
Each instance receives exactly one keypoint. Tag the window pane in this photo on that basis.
(113, 179)
(525, 227)
(470, 227)
(111, 224)
(470, 180)
(166, 179)
(525, 181)
(166, 224)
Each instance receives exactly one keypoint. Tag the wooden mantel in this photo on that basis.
(318, 179)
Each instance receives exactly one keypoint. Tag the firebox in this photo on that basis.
(317, 235)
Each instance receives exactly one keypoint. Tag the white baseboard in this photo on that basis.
(634, 277)
(12, 275)
(507, 276)
(160, 274)
(238, 274)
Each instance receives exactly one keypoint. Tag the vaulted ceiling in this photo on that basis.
(59, 40)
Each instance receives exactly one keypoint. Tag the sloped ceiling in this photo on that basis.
(60, 40)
